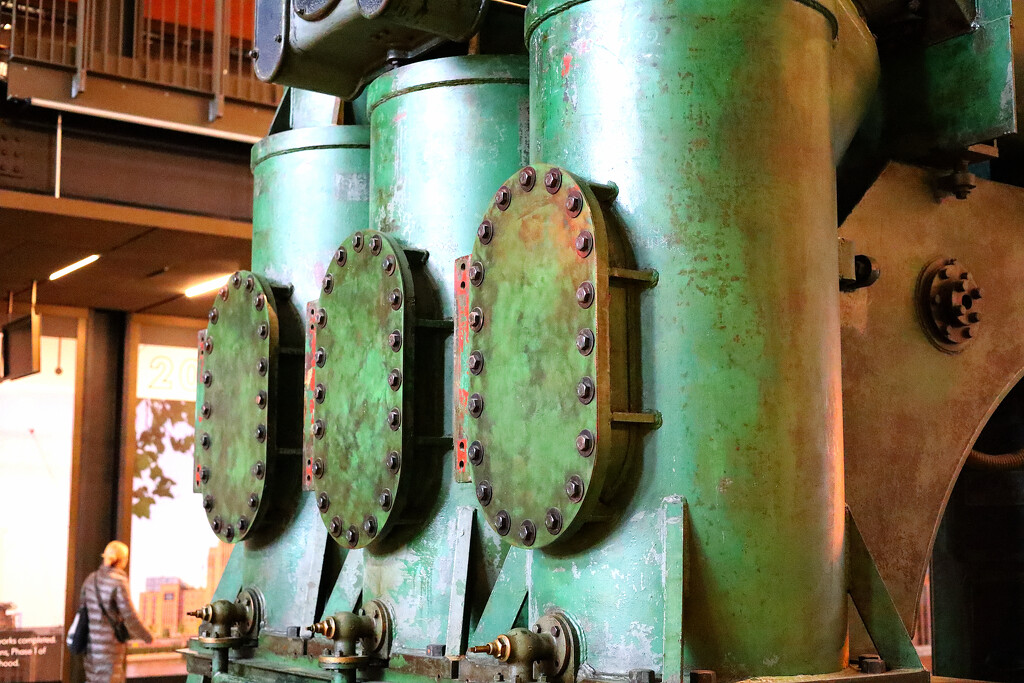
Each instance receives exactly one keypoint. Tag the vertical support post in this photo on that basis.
(217, 73)
(455, 643)
(673, 583)
(81, 49)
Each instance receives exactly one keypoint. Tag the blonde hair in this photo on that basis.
(116, 555)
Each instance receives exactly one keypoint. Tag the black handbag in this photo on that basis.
(78, 635)
(120, 630)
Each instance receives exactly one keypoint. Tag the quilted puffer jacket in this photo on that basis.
(104, 656)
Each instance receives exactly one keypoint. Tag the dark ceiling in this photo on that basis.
(142, 269)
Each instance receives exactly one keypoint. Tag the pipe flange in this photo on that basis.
(950, 304)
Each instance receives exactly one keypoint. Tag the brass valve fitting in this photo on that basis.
(222, 615)
(519, 646)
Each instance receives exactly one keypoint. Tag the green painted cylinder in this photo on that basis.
(310, 193)
(445, 134)
(712, 118)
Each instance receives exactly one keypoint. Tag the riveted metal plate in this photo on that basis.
(235, 408)
(361, 420)
(547, 336)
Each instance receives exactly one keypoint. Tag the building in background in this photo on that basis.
(164, 605)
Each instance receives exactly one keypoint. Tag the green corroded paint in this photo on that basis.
(232, 361)
(532, 366)
(357, 438)
(712, 118)
(310, 193)
(444, 135)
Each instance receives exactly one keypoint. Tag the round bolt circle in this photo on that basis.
(585, 342)
(585, 295)
(527, 532)
(585, 443)
(485, 232)
(476, 453)
(584, 243)
(484, 492)
(585, 391)
(574, 203)
(503, 197)
(502, 523)
(528, 178)
(476, 405)
(476, 362)
(553, 180)
(553, 521)
(574, 488)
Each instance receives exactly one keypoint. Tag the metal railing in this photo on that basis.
(195, 45)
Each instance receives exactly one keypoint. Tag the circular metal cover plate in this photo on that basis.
(541, 284)
(235, 411)
(361, 416)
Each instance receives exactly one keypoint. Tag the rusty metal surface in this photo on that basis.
(911, 411)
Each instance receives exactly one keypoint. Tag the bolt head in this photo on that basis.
(395, 299)
(384, 500)
(320, 357)
(395, 340)
(319, 393)
(260, 433)
(527, 532)
(395, 379)
(319, 429)
(476, 453)
(206, 409)
(370, 526)
(476, 362)
(375, 244)
(258, 302)
(207, 502)
(208, 344)
(323, 502)
(262, 366)
(223, 293)
(335, 527)
(476, 319)
(585, 443)
(243, 524)
(585, 342)
(236, 280)
(318, 468)
(393, 462)
(584, 243)
(205, 441)
(555, 631)
(321, 318)
(476, 274)
(258, 469)
(553, 180)
(328, 283)
(389, 265)
(484, 492)
(503, 198)
(351, 535)
(485, 233)
(213, 316)
(394, 419)
(207, 378)
(527, 178)
(357, 241)
(574, 488)
(263, 331)
(476, 405)
(254, 501)
(341, 256)
(502, 523)
(585, 295)
(574, 203)
(585, 390)
(261, 399)
(216, 525)
(553, 521)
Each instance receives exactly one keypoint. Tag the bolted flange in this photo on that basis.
(951, 304)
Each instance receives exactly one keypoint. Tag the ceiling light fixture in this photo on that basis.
(74, 266)
(205, 287)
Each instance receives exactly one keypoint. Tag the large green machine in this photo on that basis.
(540, 372)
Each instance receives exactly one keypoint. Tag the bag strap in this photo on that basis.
(99, 599)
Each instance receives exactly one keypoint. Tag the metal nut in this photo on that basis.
(503, 197)
(320, 357)
(205, 441)
(250, 283)
(207, 502)
(585, 295)
(553, 521)
(328, 283)
(208, 344)
(476, 319)
(394, 419)
(357, 241)
(393, 461)
(352, 536)
(262, 366)
(207, 378)
(206, 410)
(476, 405)
(319, 393)
(260, 433)
(259, 301)
(476, 274)
(321, 318)
(341, 256)
(484, 492)
(476, 362)
(261, 399)
(389, 265)
(395, 340)
(213, 315)
(370, 526)
(485, 232)
(574, 488)
(395, 299)
(502, 523)
(553, 180)
(585, 443)
(585, 341)
(263, 331)
(323, 501)
(384, 499)
(318, 468)
(258, 469)
(527, 178)
(376, 243)
(574, 203)
(236, 280)
(527, 532)
(335, 527)
(395, 379)
(319, 429)
(584, 243)
(476, 453)
(585, 391)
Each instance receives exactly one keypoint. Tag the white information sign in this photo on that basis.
(166, 373)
